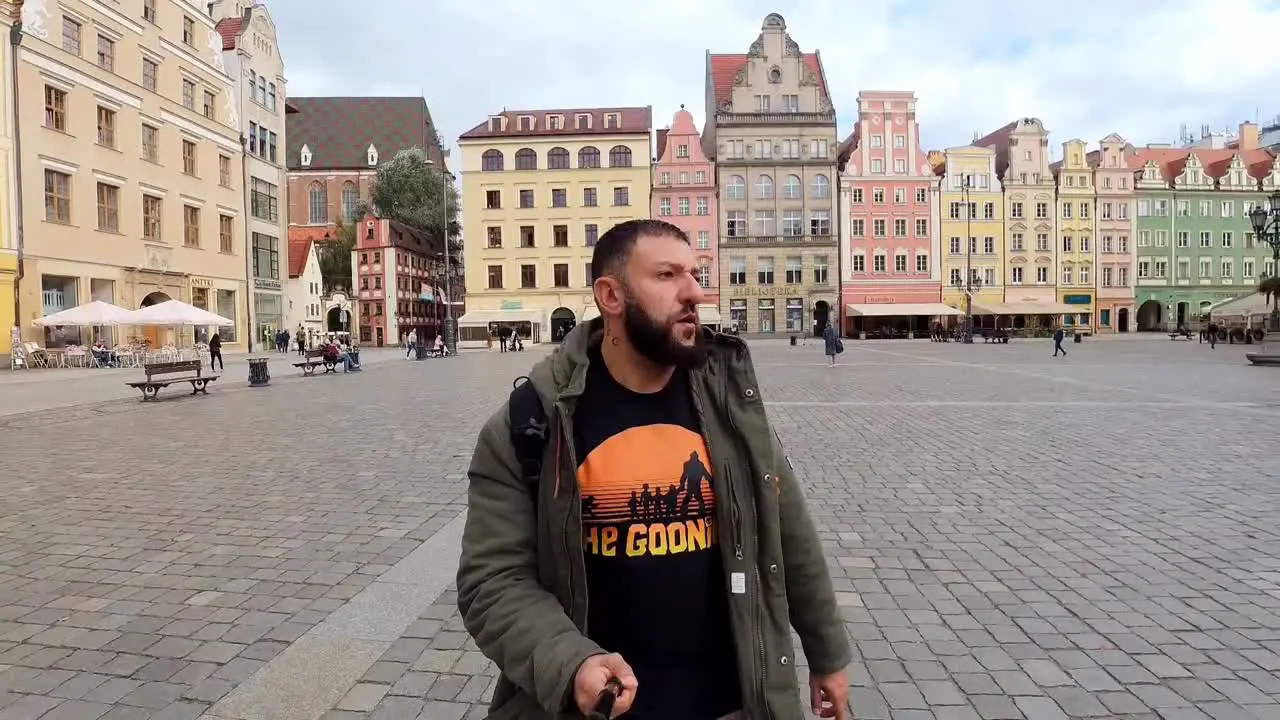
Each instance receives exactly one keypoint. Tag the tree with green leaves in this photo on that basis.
(414, 190)
(334, 254)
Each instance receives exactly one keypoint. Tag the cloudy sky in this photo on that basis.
(1137, 67)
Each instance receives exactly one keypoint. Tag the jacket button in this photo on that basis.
(750, 392)
(773, 569)
(784, 660)
(768, 478)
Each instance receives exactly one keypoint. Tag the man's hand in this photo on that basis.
(829, 695)
(592, 675)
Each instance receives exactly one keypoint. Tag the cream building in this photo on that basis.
(540, 187)
(252, 56)
(771, 130)
(9, 222)
(130, 163)
(971, 228)
(304, 299)
(1077, 235)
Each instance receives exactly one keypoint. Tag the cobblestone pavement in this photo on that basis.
(1010, 535)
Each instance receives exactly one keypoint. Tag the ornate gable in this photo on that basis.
(1193, 176)
(1151, 176)
(1237, 176)
(1272, 180)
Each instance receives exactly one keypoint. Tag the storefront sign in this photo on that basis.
(265, 284)
(875, 299)
(512, 305)
(1078, 299)
(199, 282)
(767, 290)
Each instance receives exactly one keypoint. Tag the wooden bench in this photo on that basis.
(996, 336)
(314, 359)
(1183, 335)
(189, 368)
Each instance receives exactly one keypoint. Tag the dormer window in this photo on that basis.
(612, 121)
(527, 122)
(304, 156)
(495, 123)
(555, 122)
(372, 155)
(582, 121)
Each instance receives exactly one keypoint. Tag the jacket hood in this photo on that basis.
(563, 375)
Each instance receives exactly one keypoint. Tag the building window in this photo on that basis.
(188, 157)
(703, 206)
(527, 237)
(821, 187)
(683, 207)
(621, 196)
(922, 263)
(106, 127)
(735, 224)
(736, 188)
(900, 263)
(55, 108)
(764, 187)
(191, 226)
(188, 31)
(528, 277)
(795, 315)
(560, 237)
(151, 213)
(738, 314)
(589, 157)
(620, 156)
(791, 188)
(108, 207)
(590, 197)
(795, 270)
(495, 277)
(821, 269)
(71, 36)
(188, 94)
(491, 161)
(350, 201)
(557, 159)
(764, 271)
(764, 315)
(266, 255)
(737, 271)
(492, 199)
(209, 99)
(495, 237)
(526, 159)
(224, 171)
(57, 197)
(149, 72)
(664, 207)
(317, 204)
(271, 97)
(526, 198)
(792, 223)
(106, 53)
(879, 262)
(264, 202)
(559, 197)
(560, 275)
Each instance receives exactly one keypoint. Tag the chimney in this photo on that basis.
(1249, 137)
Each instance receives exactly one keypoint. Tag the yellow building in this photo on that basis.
(971, 229)
(539, 187)
(1077, 246)
(130, 163)
(9, 14)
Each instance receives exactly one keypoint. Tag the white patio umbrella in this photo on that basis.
(176, 312)
(94, 314)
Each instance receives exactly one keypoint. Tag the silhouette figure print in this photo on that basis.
(691, 478)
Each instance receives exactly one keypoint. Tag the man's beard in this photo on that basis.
(656, 341)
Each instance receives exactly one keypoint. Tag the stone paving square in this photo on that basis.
(1010, 536)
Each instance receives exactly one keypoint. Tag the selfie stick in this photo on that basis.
(604, 702)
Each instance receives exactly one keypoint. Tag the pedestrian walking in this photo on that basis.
(411, 342)
(1213, 336)
(1058, 336)
(652, 411)
(215, 352)
(832, 344)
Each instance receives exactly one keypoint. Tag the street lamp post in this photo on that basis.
(971, 284)
(1266, 225)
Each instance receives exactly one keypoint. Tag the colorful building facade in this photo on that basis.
(684, 194)
(1196, 247)
(889, 200)
(971, 229)
(9, 14)
(1113, 183)
(1077, 233)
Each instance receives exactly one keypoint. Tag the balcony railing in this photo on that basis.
(749, 240)
(775, 118)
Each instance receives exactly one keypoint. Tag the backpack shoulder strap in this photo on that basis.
(529, 428)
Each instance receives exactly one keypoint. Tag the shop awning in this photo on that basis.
(590, 313)
(482, 318)
(1028, 308)
(900, 310)
(708, 315)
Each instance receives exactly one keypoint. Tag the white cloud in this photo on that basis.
(1085, 67)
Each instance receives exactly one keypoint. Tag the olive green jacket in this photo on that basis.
(522, 579)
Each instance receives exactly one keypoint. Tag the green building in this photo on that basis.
(1195, 245)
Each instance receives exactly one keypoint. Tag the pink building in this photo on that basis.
(684, 194)
(892, 281)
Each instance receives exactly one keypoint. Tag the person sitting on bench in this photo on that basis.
(347, 358)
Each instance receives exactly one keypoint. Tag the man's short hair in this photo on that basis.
(614, 247)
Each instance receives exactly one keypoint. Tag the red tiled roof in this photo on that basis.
(1173, 160)
(847, 146)
(299, 249)
(662, 142)
(339, 130)
(633, 120)
(998, 140)
(724, 69)
(229, 29)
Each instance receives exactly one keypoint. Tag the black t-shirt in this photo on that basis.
(655, 578)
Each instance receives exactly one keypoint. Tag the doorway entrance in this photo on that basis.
(562, 322)
(821, 317)
(1122, 320)
(1150, 316)
(154, 334)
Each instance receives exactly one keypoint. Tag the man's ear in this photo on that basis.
(609, 295)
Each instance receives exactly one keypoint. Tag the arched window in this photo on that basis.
(737, 187)
(557, 159)
(620, 156)
(764, 187)
(491, 160)
(791, 189)
(526, 159)
(318, 203)
(350, 200)
(589, 157)
(821, 186)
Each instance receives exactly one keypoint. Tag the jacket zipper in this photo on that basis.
(566, 432)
